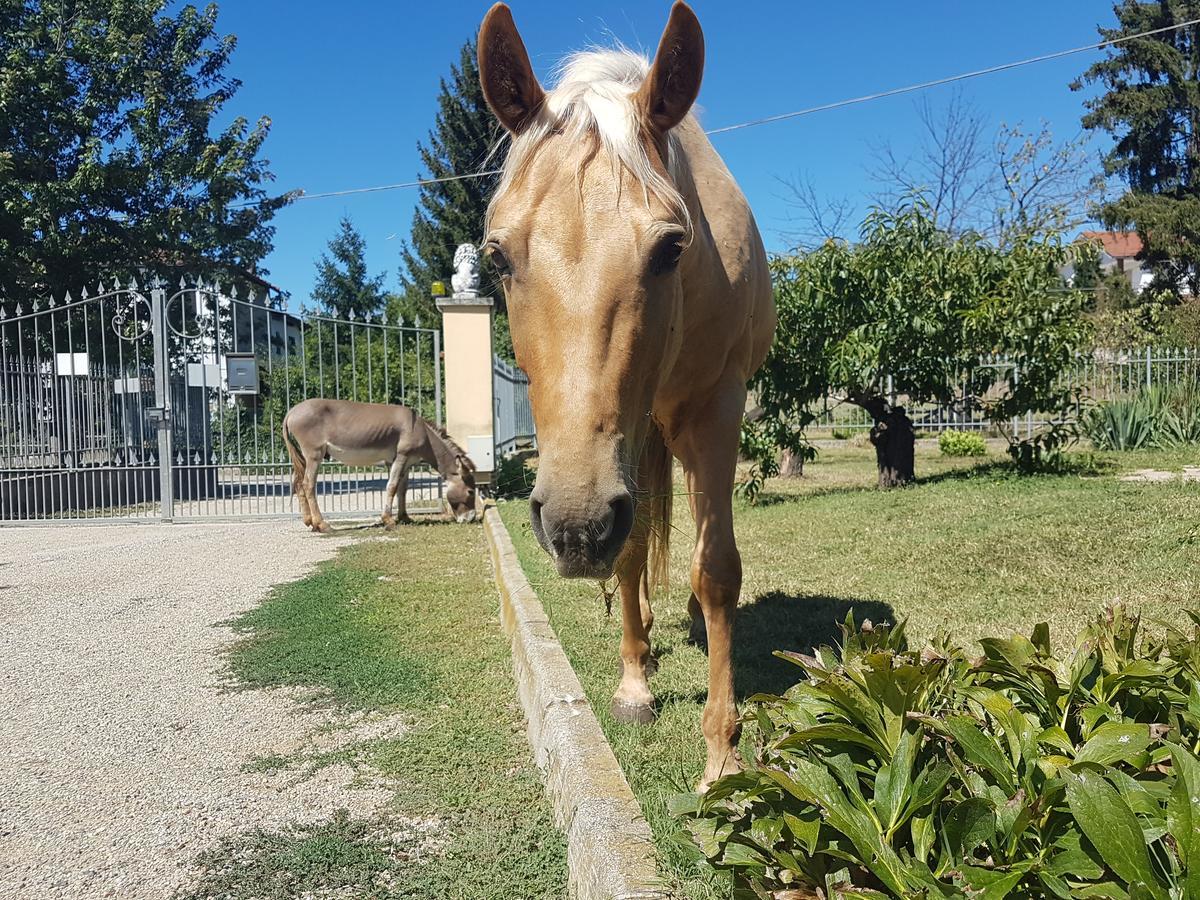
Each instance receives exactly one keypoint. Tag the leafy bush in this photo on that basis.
(1161, 416)
(892, 773)
(513, 478)
(961, 443)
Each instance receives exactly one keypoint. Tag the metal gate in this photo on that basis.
(167, 404)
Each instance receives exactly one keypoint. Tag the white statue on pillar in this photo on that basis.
(465, 280)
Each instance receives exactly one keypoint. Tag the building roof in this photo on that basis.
(1117, 244)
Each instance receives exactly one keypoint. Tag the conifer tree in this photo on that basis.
(343, 288)
(1151, 107)
(450, 213)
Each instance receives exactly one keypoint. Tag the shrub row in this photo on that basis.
(887, 772)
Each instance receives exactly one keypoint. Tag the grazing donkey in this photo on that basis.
(639, 301)
(368, 434)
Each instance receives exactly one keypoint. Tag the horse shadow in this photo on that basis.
(799, 623)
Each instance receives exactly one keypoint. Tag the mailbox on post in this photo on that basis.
(241, 373)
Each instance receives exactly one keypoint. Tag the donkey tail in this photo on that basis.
(657, 474)
(293, 447)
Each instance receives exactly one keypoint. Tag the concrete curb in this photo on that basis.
(610, 851)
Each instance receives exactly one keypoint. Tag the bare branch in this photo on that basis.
(815, 219)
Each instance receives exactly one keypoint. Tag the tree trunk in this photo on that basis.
(895, 446)
(791, 465)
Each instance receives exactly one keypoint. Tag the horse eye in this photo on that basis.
(666, 255)
(499, 260)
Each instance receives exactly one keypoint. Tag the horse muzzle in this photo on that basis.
(582, 546)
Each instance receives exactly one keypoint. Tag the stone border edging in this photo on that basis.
(610, 850)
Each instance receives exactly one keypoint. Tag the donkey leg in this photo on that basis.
(386, 519)
(708, 450)
(298, 490)
(633, 704)
(312, 462)
(402, 498)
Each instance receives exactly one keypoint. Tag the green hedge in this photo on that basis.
(961, 443)
(889, 772)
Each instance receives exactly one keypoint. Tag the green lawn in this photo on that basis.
(972, 549)
(407, 624)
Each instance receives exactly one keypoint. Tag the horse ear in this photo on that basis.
(674, 80)
(509, 85)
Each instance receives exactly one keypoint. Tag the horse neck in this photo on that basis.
(441, 454)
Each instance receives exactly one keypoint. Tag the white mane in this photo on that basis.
(593, 97)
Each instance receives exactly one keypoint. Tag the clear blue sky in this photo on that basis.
(351, 88)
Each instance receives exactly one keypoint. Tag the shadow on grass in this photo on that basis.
(777, 621)
(799, 623)
(1080, 465)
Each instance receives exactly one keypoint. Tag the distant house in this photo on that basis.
(1119, 251)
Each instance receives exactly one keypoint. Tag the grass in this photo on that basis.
(406, 624)
(972, 548)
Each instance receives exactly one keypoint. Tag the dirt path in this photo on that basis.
(123, 755)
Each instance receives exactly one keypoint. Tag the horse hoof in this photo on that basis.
(632, 713)
(322, 528)
(697, 633)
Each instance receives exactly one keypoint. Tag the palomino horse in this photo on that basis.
(368, 434)
(640, 303)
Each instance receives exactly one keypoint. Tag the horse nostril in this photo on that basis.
(618, 523)
(535, 520)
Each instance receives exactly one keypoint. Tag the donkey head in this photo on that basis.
(460, 490)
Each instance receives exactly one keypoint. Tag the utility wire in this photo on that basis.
(825, 107)
(895, 92)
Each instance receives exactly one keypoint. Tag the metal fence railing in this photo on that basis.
(514, 429)
(134, 403)
(1099, 375)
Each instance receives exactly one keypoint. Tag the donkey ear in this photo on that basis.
(674, 80)
(509, 85)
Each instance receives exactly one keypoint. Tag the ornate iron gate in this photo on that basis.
(168, 404)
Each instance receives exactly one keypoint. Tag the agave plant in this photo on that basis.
(890, 773)
(1160, 416)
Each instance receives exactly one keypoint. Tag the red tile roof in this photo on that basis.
(1117, 244)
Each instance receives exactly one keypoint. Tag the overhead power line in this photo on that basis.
(924, 85)
(824, 107)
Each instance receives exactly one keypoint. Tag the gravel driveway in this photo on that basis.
(122, 755)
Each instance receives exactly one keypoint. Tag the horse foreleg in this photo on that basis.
(633, 703)
(312, 464)
(708, 450)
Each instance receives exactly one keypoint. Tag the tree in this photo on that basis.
(109, 156)
(909, 312)
(1151, 107)
(343, 288)
(998, 185)
(450, 213)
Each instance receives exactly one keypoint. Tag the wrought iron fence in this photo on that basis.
(120, 404)
(1099, 375)
(514, 429)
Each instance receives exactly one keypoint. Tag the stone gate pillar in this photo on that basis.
(467, 350)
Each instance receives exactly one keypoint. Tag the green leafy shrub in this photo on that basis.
(513, 478)
(892, 773)
(961, 443)
(1160, 416)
